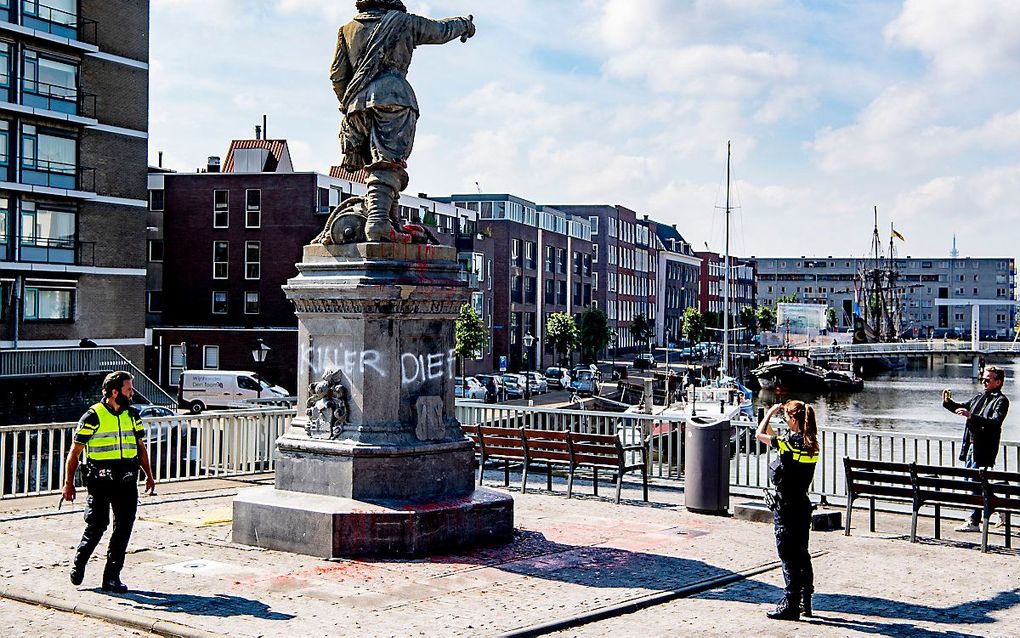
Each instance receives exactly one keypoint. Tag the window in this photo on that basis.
(221, 253)
(154, 301)
(530, 289)
(550, 259)
(529, 254)
(48, 304)
(4, 221)
(5, 67)
(550, 291)
(253, 208)
(595, 253)
(5, 151)
(219, 302)
(221, 209)
(516, 284)
(59, 17)
(50, 83)
(157, 200)
(252, 259)
(561, 258)
(48, 158)
(594, 221)
(515, 251)
(156, 250)
(251, 303)
(47, 234)
(210, 357)
(178, 363)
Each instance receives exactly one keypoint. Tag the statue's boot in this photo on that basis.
(383, 191)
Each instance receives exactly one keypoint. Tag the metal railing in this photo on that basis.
(62, 361)
(181, 448)
(57, 97)
(933, 346)
(55, 174)
(46, 250)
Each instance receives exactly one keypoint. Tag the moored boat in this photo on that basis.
(790, 369)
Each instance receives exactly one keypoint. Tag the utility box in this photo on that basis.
(707, 465)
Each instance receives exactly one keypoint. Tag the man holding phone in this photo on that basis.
(111, 434)
(985, 414)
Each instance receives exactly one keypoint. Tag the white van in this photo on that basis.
(202, 389)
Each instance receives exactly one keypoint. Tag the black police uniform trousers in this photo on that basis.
(117, 492)
(792, 520)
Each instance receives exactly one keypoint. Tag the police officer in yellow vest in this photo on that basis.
(791, 473)
(112, 435)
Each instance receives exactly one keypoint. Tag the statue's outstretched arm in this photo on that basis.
(340, 71)
(427, 31)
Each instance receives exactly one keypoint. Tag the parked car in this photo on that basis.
(148, 409)
(201, 389)
(585, 383)
(536, 382)
(591, 367)
(558, 378)
(171, 442)
(644, 361)
(495, 389)
(514, 385)
(469, 388)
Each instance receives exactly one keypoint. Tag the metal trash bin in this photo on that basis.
(707, 465)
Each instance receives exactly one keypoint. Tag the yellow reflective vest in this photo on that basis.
(114, 438)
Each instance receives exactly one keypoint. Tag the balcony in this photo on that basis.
(50, 17)
(54, 174)
(42, 250)
(53, 97)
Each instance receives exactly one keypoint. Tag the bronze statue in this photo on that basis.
(380, 110)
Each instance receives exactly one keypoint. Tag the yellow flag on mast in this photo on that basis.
(898, 235)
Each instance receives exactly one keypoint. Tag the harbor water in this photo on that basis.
(908, 401)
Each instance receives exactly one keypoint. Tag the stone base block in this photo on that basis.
(757, 512)
(333, 527)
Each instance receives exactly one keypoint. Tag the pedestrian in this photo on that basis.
(791, 473)
(983, 428)
(111, 434)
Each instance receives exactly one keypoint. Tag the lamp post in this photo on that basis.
(259, 353)
(529, 340)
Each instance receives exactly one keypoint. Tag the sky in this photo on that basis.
(832, 107)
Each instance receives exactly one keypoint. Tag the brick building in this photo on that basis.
(743, 278)
(223, 243)
(538, 261)
(74, 81)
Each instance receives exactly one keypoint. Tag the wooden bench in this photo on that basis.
(572, 450)
(875, 479)
(940, 487)
(1001, 491)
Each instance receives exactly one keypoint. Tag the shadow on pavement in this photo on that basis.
(220, 605)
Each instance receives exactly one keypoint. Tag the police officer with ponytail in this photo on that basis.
(791, 473)
(112, 436)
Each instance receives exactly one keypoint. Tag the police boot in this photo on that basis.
(805, 604)
(111, 578)
(787, 609)
(78, 569)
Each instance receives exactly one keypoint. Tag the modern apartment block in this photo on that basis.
(222, 243)
(743, 278)
(74, 80)
(538, 261)
(834, 281)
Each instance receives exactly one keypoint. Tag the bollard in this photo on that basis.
(722, 406)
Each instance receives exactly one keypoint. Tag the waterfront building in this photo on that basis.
(836, 280)
(679, 276)
(538, 261)
(74, 82)
(225, 239)
(743, 278)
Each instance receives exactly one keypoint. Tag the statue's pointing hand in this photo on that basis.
(470, 29)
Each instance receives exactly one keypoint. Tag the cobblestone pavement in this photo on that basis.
(569, 557)
(17, 620)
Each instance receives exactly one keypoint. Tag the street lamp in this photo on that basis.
(529, 340)
(259, 353)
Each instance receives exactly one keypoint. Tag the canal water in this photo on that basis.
(908, 400)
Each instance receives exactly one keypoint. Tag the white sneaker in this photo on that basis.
(995, 520)
(969, 526)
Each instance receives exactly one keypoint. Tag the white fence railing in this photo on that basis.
(183, 447)
(933, 346)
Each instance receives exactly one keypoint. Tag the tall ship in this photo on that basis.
(878, 293)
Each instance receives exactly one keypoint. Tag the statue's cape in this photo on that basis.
(370, 65)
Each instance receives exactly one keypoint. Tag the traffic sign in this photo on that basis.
(502, 363)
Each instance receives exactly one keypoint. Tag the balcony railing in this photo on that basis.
(42, 250)
(56, 174)
(56, 97)
(38, 14)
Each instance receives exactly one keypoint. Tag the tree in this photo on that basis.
(470, 335)
(641, 330)
(693, 325)
(595, 334)
(766, 318)
(561, 332)
(749, 321)
(791, 298)
(830, 318)
(712, 319)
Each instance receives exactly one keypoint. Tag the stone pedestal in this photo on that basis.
(394, 474)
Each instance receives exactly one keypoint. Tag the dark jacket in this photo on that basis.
(984, 427)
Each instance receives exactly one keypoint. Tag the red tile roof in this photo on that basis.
(276, 148)
(339, 172)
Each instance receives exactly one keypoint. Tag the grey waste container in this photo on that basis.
(707, 465)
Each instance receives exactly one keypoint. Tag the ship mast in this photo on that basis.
(724, 366)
